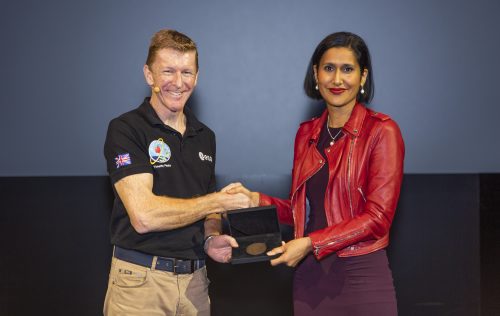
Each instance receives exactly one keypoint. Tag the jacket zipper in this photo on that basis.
(362, 194)
(298, 186)
(349, 159)
(352, 235)
(349, 176)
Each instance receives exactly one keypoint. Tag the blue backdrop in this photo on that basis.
(68, 67)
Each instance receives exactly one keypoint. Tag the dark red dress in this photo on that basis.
(354, 286)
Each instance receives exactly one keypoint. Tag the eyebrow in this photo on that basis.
(344, 64)
(178, 68)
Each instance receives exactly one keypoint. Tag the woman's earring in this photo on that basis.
(362, 90)
(316, 87)
(156, 89)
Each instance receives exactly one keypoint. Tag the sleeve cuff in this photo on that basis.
(264, 200)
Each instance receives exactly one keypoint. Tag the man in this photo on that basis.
(161, 162)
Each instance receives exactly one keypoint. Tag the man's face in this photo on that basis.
(175, 74)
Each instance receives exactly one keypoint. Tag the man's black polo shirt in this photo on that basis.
(182, 167)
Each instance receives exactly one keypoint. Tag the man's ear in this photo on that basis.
(148, 75)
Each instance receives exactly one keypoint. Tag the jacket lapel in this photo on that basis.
(310, 159)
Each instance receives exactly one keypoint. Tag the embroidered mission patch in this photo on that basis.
(159, 152)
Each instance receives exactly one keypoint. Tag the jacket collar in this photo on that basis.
(352, 126)
(192, 124)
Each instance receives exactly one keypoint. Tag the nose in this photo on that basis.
(177, 80)
(337, 80)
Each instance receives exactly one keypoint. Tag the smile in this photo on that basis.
(175, 94)
(337, 91)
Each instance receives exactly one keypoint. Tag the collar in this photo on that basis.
(193, 126)
(351, 127)
(355, 122)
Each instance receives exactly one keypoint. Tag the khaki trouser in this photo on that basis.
(137, 290)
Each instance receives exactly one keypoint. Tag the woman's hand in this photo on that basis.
(292, 252)
(237, 187)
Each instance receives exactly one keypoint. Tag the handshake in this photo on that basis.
(239, 197)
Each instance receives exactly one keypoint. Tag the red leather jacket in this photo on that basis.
(365, 175)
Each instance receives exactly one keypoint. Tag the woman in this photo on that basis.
(346, 178)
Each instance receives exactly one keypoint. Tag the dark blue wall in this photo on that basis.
(68, 67)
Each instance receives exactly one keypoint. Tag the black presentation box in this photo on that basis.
(253, 228)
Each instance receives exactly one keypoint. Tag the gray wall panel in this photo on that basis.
(69, 67)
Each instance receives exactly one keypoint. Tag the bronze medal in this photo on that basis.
(256, 248)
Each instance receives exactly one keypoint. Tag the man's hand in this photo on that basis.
(219, 248)
(292, 252)
(238, 188)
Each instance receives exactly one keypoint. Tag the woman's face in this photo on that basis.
(339, 77)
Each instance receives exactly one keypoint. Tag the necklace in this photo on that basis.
(334, 138)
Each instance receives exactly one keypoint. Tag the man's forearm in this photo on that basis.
(150, 213)
(166, 213)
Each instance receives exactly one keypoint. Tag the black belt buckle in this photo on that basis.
(183, 266)
(174, 266)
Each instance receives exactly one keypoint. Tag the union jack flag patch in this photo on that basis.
(123, 160)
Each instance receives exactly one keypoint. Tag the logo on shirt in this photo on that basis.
(205, 157)
(123, 160)
(159, 152)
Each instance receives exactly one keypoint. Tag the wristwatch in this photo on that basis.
(206, 240)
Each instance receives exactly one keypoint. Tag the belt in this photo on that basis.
(177, 266)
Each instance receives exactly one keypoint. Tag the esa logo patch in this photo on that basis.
(159, 152)
(204, 157)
